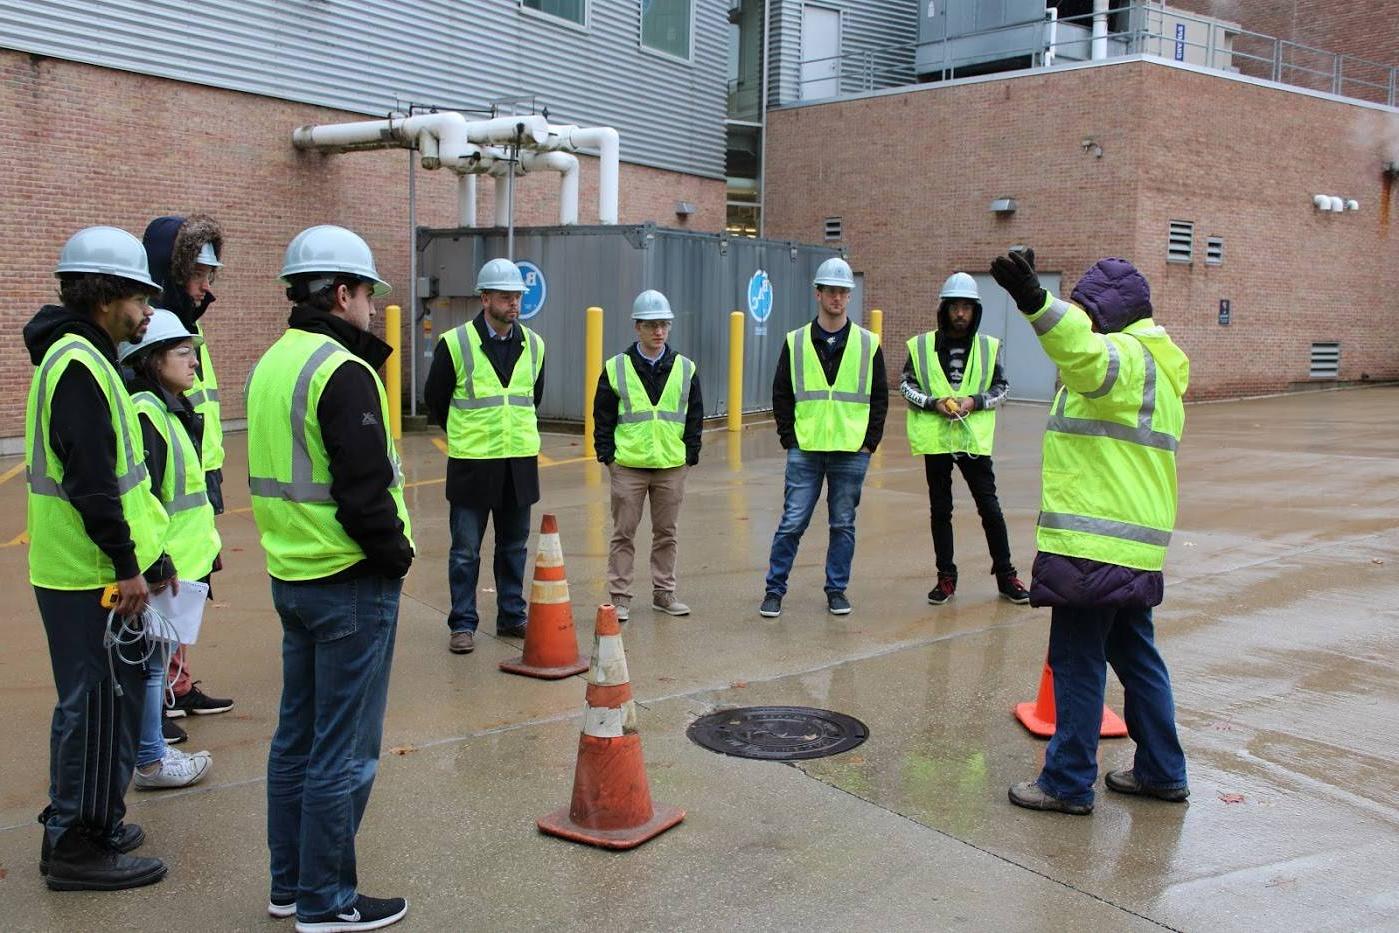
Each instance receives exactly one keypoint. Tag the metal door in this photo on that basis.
(1031, 375)
(820, 46)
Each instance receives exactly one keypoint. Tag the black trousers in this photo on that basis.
(92, 743)
(981, 480)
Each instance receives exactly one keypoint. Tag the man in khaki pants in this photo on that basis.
(647, 417)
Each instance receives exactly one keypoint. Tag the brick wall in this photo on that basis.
(86, 145)
(912, 176)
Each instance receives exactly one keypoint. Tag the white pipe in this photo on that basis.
(1100, 30)
(466, 200)
(502, 195)
(608, 144)
(534, 130)
(567, 167)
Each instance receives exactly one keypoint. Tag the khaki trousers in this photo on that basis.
(630, 488)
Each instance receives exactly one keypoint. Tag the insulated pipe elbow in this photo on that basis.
(608, 144)
(567, 167)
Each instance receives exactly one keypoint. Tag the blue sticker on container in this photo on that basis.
(760, 296)
(536, 290)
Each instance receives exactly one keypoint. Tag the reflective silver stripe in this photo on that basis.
(863, 382)
(984, 350)
(40, 483)
(181, 498)
(1106, 527)
(468, 366)
(1046, 321)
(626, 412)
(1110, 377)
(799, 390)
(796, 358)
(203, 395)
(1141, 434)
(925, 381)
(301, 488)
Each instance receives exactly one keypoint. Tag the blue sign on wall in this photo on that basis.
(1225, 312)
(1180, 42)
(760, 296)
(536, 290)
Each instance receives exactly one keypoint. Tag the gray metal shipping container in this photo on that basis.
(706, 276)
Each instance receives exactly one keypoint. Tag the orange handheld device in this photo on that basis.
(109, 596)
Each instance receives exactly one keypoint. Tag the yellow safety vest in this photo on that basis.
(288, 466)
(61, 555)
(192, 540)
(932, 433)
(1109, 475)
(204, 396)
(490, 421)
(650, 436)
(832, 416)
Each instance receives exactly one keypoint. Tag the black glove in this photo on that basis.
(1015, 273)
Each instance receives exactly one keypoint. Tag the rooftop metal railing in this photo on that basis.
(1151, 29)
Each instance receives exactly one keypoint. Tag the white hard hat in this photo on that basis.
(329, 250)
(106, 250)
(835, 271)
(960, 285)
(500, 275)
(651, 305)
(164, 326)
(207, 257)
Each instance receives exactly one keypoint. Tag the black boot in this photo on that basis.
(79, 862)
(125, 838)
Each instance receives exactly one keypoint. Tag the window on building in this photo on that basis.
(1214, 251)
(575, 11)
(665, 26)
(1180, 246)
(1326, 361)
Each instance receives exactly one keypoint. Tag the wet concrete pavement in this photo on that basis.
(1279, 627)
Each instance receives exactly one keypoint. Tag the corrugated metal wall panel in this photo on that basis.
(867, 26)
(367, 56)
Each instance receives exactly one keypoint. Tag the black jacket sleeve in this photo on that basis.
(155, 452)
(80, 432)
(879, 402)
(784, 401)
(360, 470)
(539, 386)
(694, 422)
(605, 420)
(441, 383)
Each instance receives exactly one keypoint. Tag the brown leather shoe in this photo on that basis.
(1125, 782)
(461, 643)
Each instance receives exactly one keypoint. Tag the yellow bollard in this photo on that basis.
(393, 369)
(592, 371)
(877, 323)
(736, 370)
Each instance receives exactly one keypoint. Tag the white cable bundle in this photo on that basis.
(150, 630)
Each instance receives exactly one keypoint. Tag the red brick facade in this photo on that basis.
(912, 176)
(86, 145)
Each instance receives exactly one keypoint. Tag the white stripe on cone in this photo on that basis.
(550, 553)
(548, 591)
(609, 663)
(605, 722)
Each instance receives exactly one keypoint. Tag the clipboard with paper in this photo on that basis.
(178, 616)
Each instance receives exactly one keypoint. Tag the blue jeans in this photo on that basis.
(152, 744)
(337, 648)
(464, 564)
(1082, 642)
(844, 474)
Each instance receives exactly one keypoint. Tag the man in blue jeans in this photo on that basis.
(1108, 506)
(327, 494)
(830, 396)
(484, 385)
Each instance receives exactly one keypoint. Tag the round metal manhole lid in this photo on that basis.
(777, 733)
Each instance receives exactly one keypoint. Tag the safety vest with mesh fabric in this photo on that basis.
(489, 421)
(61, 555)
(650, 436)
(1109, 475)
(932, 433)
(288, 466)
(192, 541)
(204, 396)
(832, 416)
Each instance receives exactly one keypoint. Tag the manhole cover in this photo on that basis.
(777, 733)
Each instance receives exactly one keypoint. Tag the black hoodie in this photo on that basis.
(80, 433)
(360, 470)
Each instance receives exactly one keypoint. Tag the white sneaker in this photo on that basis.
(176, 769)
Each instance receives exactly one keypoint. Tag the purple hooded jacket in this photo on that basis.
(1115, 295)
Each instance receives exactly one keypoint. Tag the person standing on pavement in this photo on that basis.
(953, 382)
(1108, 508)
(829, 397)
(648, 416)
(483, 388)
(94, 525)
(184, 259)
(327, 494)
(161, 370)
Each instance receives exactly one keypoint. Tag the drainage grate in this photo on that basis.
(777, 733)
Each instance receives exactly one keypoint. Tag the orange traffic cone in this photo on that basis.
(611, 804)
(1038, 716)
(551, 649)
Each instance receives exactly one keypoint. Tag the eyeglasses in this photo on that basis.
(205, 275)
(183, 353)
(654, 325)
